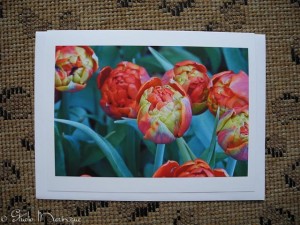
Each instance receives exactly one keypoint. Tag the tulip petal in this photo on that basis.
(239, 152)
(183, 168)
(220, 173)
(168, 76)
(198, 108)
(165, 111)
(197, 168)
(85, 75)
(202, 171)
(232, 134)
(159, 133)
(90, 52)
(228, 90)
(225, 137)
(224, 118)
(192, 78)
(152, 128)
(177, 87)
(154, 81)
(186, 116)
(199, 66)
(103, 75)
(240, 85)
(119, 88)
(75, 63)
(167, 169)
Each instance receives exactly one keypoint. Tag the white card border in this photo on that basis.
(164, 189)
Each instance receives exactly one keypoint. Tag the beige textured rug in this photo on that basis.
(278, 19)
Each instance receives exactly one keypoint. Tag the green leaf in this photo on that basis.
(215, 58)
(220, 156)
(190, 152)
(184, 153)
(102, 168)
(116, 136)
(172, 152)
(111, 125)
(63, 112)
(78, 114)
(107, 55)
(209, 154)
(159, 156)
(133, 123)
(65, 105)
(161, 59)
(211, 57)
(230, 167)
(130, 52)
(150, 145)
(150, 64)
(57, 105)
(130, 149)
(203, 126)
(85, 98)
(108, 150)
(148, 170)
(177, 54)
(244, 52)
(60, 169)
(241, 168)
(72, 155)
(95, 118)
(90, 153)
(196, 146)
(98, 115)
(235, 60)
(129, 122)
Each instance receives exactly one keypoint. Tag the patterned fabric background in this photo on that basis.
(278, 19)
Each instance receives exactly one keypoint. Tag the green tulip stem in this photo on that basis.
(230, 166)
(97, 96)
(183, 143)
(65, 105)
(183, 150)
(211, 157)
(131, 156)
(159, 156)
(64, 111)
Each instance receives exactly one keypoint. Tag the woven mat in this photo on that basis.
(278, 19)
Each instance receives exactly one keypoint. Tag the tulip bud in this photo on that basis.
(193, 78)
(165, 111)
(73, 67)
(119, 88)
(196, 168)
(232, 132)
(228, 90)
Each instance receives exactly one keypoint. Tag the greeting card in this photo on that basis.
(149, 115)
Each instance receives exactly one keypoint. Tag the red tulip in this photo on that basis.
(119, 88)
(196, 168)
(228, 90)
(192, 76)
(232, 132)
(73, 67)
(165, 111)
